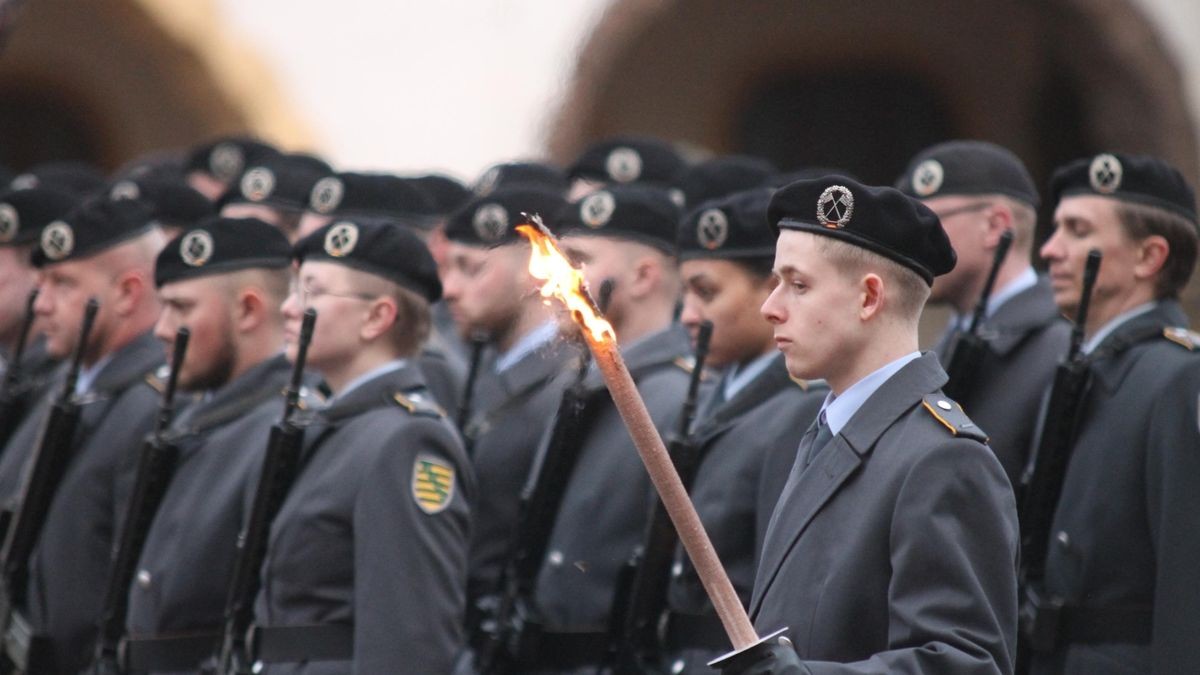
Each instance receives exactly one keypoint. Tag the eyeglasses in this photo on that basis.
(968, 208)
(307, 293)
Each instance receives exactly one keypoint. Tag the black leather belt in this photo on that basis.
(315, 642)
(167, 653)
(696, 631)
(1049, 623)
(568, 651)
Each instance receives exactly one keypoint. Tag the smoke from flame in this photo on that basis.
(564, 281)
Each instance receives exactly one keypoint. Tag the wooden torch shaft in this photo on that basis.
(670, 489)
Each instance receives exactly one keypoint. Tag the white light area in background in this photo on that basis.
(451, 86)
(1179, 21)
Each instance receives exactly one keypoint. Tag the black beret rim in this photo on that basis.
(1135, 197)
(431, 292)
(417, 220)
(663, 245)
(269, 263)
(690, 253)
(853, 238)
(41, 260)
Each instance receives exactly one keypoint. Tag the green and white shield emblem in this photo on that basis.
(432, 484)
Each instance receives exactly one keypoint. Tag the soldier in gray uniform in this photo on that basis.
(626, 235)
(1124, 544)
(276, 191)
(367, 558)
(23, 214)
(487, 286)
(225, 280)
(894, 544)
(102, 249)
(979, 190)
(756, 411)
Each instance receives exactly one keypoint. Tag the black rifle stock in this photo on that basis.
(55, 449)
(1039, 617)
(280, 468)
(640, 598)
(509, 624)
(156, 467)
(13, 402)
(969, 348)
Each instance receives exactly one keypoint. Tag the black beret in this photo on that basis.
(79, 178)
(733, 226)
(807, 173)
(445, 194)
(538, 174)
(967, 168)
(171, 199)
(630, 159)
(721, 176)
(372, 195)
(637, 212)
(880, 219)
(1128, 178)
(93, 226)
(23, 213)
(220, 245)
(377, 246)
(491, 220)
(283, 181)
(226, 158)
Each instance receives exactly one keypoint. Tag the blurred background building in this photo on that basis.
(459, 84)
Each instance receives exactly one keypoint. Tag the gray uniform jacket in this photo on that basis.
(608, 497)
(1126, 535)
(770, 413)
(69, 567)
(1026, 338)
(374, 532)
(895, 550)
(35, 376)
(504, 439)
(444, 371)
(187, 560)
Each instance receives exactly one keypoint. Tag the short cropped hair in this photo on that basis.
(910, 290)
(1142, 220)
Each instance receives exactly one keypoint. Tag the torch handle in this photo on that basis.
(674, 497)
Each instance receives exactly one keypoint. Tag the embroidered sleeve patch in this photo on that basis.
(432, 484)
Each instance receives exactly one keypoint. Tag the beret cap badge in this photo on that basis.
(58, 240)
(341, 239)
(1105, 173)
(258, 183)
(927, 177)
(10, 222)
(490, 222)
(835, 207)
(125, 189)
(597, 209)
(326, 194)
(196, 248)
(712, 229)
(624, 165)
(225, 161)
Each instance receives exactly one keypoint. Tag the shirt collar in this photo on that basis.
(839, 409)
(1024, 281)
(370, 375)
(528, 343)
(1114, 323)
(741, 375)
(87, 376)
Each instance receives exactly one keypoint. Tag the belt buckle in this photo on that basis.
(1041, 620)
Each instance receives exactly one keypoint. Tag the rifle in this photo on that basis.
(23, 649)
(509, 628)
(156, 467)
(969, 348)
(280, 468)
(479, 340)
(13, 401)
(640, 600)
(1040, 617)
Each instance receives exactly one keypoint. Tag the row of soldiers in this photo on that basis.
(391, 455)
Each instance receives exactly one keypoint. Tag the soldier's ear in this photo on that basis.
(382, 315)
(1152, 254)
(250, 308)
(872, 291)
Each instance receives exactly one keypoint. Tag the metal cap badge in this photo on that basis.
(927, 177)
(58, 240)
(1105, 173)
(835, 207)
(196, 248)
(712, 229)
(327, 194)
(490, 222)
(341, 239)
(624, 165)
(597, 209)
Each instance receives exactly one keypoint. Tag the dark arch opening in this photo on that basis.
(39, 125)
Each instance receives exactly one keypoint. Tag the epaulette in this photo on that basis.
(951, 415)
(418, 404)
(158, 378)
(688, 364)
(1183, 337)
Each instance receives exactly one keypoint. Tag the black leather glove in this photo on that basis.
(773, 655)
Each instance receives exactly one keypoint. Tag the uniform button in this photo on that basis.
(678, 666)
(944, 405)
(1063, 539)
(677, 569)
(555, 558)
(144, 578)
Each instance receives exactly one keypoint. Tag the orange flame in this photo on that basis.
(563, 280)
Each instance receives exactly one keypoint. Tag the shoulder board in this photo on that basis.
(950, 414)
(688, 364)
(418, 404)
(1183, 337)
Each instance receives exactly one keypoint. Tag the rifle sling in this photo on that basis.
(313, 642)
(169, 653)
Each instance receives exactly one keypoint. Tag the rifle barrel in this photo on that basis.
(89, 319)
(1006, 240)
